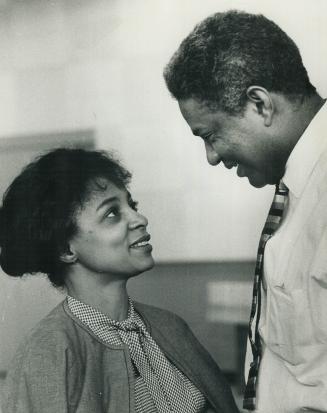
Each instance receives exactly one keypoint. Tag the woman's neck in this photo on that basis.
(110, 298)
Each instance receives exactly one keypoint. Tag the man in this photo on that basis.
(241, 86)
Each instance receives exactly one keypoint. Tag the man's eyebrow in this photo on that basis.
(203, 134)
(107, 201)
(196, 132)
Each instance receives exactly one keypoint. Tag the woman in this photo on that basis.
(69, 215)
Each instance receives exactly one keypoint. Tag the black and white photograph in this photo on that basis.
(163, 206)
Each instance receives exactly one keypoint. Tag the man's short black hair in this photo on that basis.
(228, 52)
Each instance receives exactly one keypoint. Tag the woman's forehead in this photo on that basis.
(101, 187)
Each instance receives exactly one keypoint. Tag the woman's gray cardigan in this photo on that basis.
(63, 367)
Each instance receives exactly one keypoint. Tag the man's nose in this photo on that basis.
(212, 155)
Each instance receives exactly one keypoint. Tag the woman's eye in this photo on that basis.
(133, 205)
(112, 213)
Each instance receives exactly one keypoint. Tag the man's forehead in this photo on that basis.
(196, 114)
(191, 106)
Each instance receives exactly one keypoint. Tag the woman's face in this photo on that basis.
(111, 235)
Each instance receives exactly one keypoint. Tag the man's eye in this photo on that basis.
(207, 137)
(211, 138)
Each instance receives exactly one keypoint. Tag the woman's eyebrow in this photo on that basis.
(107, 201)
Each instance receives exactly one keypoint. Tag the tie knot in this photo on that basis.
(281, 188)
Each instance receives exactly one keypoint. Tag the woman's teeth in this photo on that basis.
(140, 244)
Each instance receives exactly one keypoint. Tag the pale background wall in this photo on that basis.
(98, 64)
(69, 65)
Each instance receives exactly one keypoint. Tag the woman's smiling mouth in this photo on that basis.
(142, 243)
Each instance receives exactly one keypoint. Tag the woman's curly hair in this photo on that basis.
(37, 214)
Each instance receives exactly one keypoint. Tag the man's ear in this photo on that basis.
(68, 256)
(263, 102)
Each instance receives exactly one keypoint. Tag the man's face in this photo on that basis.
(241, 141)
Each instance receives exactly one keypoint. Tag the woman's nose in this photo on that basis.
(138, 220)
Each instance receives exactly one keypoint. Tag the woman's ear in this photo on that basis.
(263, 103)
(68, 256)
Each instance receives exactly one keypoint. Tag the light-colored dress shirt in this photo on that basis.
(293, 324)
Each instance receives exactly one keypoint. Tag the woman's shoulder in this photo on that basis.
(55, 330)
(160, 316)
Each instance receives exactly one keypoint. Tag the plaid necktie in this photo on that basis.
(272, 223)
(167, 388)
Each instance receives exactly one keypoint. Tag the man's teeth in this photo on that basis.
(140, 244)
(231, 165)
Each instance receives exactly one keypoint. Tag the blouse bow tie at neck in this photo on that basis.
(129, 325)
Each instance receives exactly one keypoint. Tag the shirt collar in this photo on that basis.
(90, 315)
(306, 153)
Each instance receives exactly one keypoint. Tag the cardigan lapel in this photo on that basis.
(187, 354)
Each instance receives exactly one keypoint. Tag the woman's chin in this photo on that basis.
(146, 267)
(150, 264)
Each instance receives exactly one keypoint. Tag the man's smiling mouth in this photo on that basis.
(241, 171)
(233, 164)
(230, 164)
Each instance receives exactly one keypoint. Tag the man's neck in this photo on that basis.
(307, 111)
(295, 119)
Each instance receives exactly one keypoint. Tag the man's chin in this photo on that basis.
(255, 178)
(257, 182)
(258, 185)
